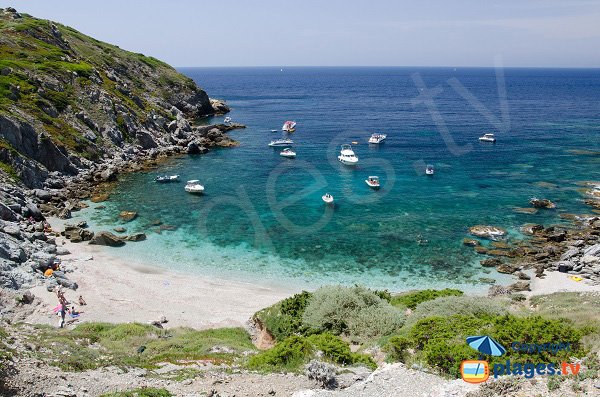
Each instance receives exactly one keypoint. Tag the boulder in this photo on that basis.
(106, 238)
(564, 266)
(531, 228)
(100, 197)
(12, 229)
(491, 262)
(65, 213)
(11, 250)
(541, 203)
(521, 286)
(488, 232)
(594, 250)
(42, 194)
(34, 211)
(127, 215)
(7, 214)
(506, 268)
(523, 276)
(136, 237)
(569, 254)
(120, 229)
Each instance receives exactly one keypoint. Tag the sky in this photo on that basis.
(522, 33)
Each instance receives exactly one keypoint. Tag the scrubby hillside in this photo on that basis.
(68, 101)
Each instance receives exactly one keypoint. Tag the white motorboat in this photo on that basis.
(281, 142)
(227, 120)
(377, 138)
(273, 130)
(194, 186)
(429, 169)
(167, 178)
(327, 198)
(488, 138)
(287, 152)
(347, 155)
(373, 182)
(289, 126)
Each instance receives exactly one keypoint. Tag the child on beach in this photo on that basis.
(62, 302)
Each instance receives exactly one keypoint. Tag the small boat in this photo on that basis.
(287, 152)
(429, 169)
(327, 198)
(167, 178)
(354, 142)
(377, 138)
(273, 130)
(488, 138)
(373, 182)
(194, 186)
(227, 120)
(347, 155)
(289, 126)
(281, 142)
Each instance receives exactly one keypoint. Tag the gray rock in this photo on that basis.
(594, 250)
(569, 254)
(136, 237)
(321, 372)
(12, 229)
(11, 250)
(520, 286)
(65, 213)
(7, 213)
(34, 211)
(62, 251)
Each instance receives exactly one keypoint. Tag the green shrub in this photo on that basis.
(353, 311)
(396, 348)
(412, 299)
(441, 341)
(285, 318)
(293, 352)
(475, 306)
(146, 392)
(288, 354)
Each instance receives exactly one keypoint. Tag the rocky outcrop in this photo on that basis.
(541, 203)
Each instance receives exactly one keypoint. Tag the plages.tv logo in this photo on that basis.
(478, 371)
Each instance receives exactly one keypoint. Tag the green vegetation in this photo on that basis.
(440, 341)
(291, 353)
(355, 312)
(94, 345)
(412, 299)
(285, 318)
(146, 392)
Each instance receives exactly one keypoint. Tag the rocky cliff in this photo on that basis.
(75, 112)
(69, 102)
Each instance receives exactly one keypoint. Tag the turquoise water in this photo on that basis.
(262, 217)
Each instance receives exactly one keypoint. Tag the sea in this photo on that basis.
(262, 219)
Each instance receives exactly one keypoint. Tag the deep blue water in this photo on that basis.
(262, 216)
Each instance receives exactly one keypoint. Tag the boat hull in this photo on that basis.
(372, 186)
(347, 162)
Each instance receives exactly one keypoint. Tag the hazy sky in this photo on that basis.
(335, 32)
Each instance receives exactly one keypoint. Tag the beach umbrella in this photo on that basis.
(486, 345)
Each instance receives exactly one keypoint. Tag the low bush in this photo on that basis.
(475, 306)
(291, 353)
(285, 318)
(441, 341)
(145, 392)
(356, 312)
(412, 299)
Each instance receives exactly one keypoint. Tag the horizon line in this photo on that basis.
(392, 66)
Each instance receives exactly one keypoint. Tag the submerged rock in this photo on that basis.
(136, 237)
(488, 232)
(470, 242)
(127, 215)
(542, 203)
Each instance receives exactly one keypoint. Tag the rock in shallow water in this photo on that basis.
(486, 231)
(128, 215)
(107, 238)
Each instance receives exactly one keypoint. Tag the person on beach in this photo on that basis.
(62, 302)
(81, 301)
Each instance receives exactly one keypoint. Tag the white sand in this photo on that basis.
(559, 282)
(116, 291)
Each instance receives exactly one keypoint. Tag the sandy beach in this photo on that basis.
(116, 291)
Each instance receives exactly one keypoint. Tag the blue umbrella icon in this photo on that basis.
(486, 345)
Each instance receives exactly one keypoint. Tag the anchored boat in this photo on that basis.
(167, 178)
(373, 182)
(429, 169)
(287, 152)
(347, 155)
(289, 126)
(281, 142)
(194, 187)
(377, 138)
(327, 198)
(488, 138)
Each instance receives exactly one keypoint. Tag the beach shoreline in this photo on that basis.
(118, 291)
